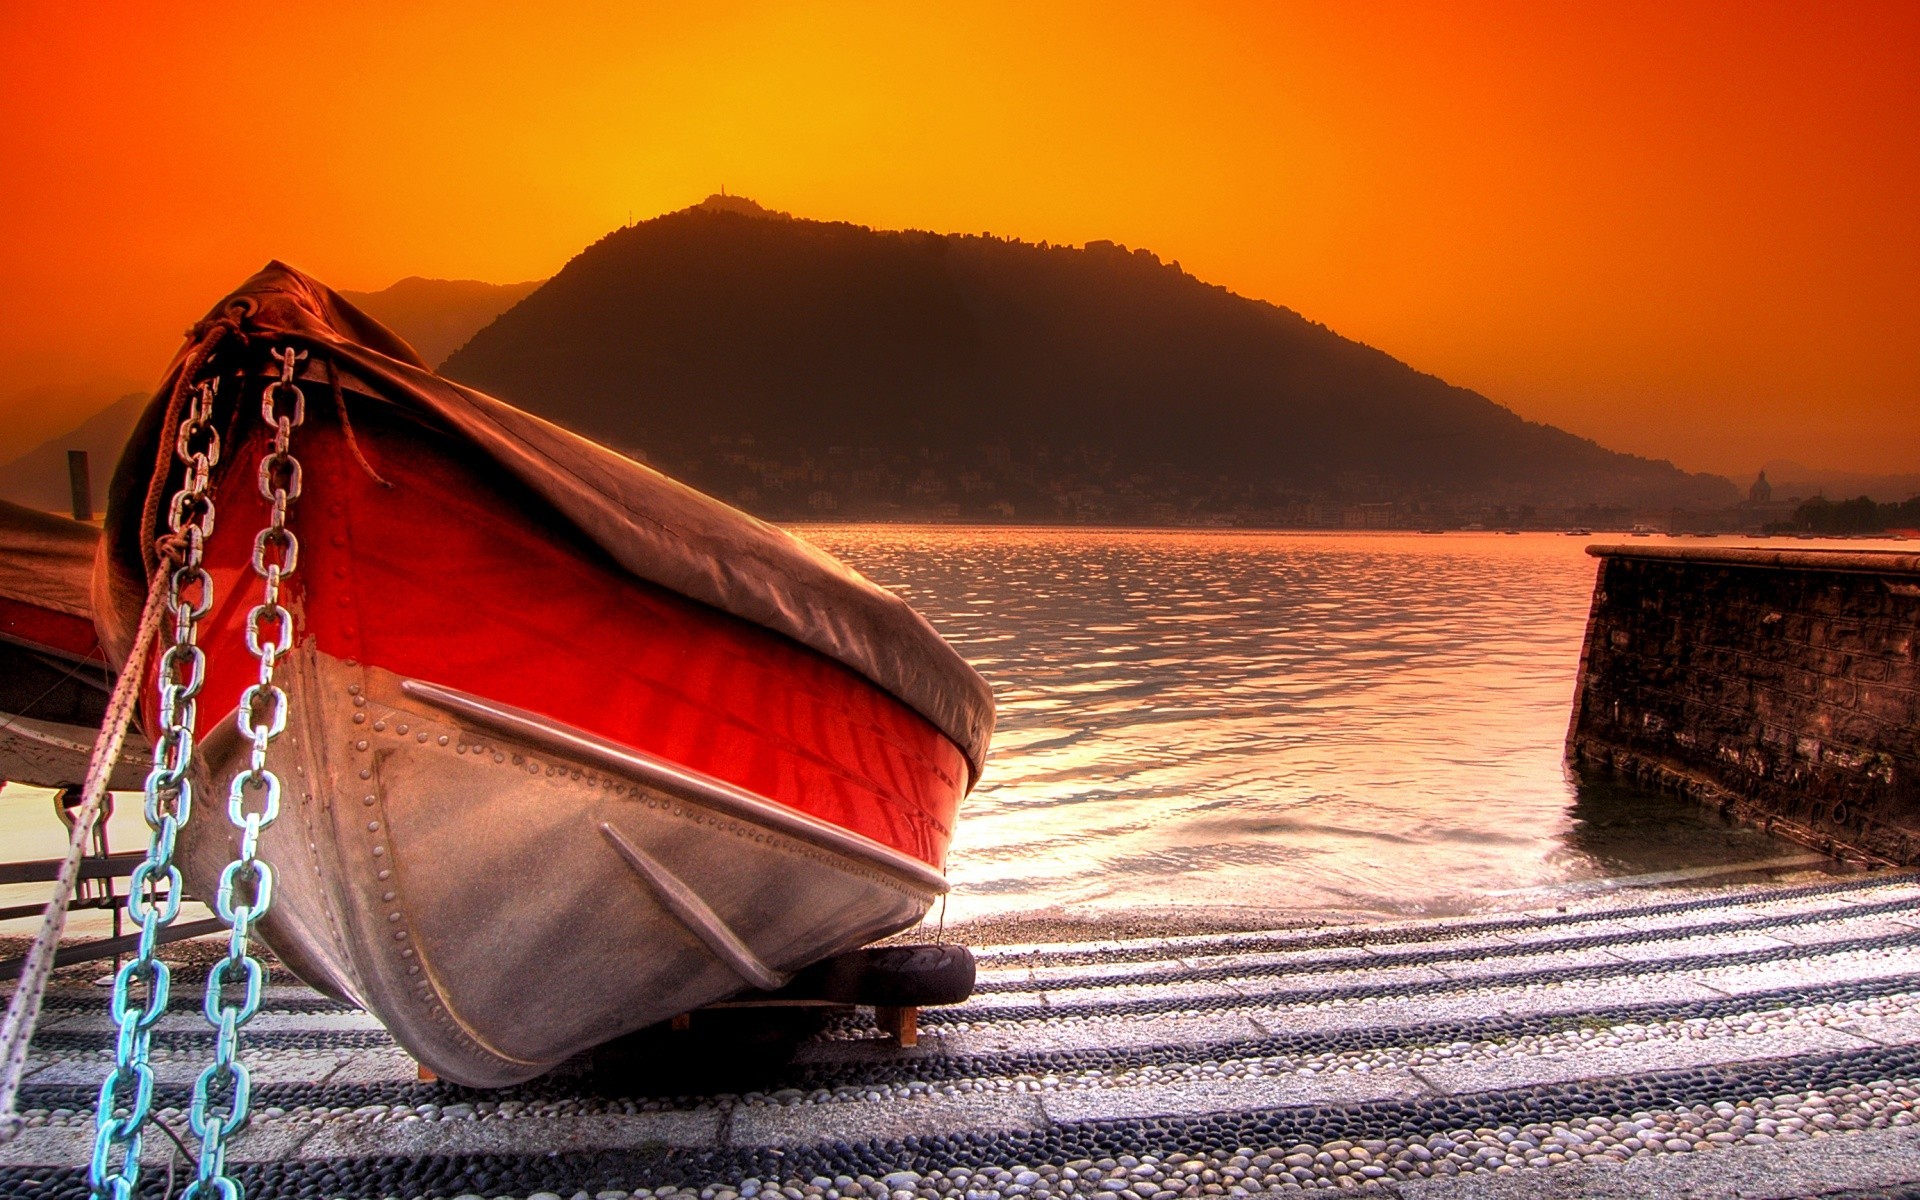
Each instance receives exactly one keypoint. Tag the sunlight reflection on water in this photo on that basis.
(1288, 722)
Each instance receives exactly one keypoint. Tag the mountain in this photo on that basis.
(805, 367)
(436, 316)
(29, 415)
(38, 478)
(1791, 479)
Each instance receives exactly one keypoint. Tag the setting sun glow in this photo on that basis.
(1685, 231)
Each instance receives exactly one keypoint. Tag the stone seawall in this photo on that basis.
(1781, 686)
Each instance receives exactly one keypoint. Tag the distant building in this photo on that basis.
(1368, 516)
(1761, 491)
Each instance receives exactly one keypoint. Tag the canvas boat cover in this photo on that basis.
(46, 560)
(657, 528)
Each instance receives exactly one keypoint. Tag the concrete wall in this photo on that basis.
(1783, 686)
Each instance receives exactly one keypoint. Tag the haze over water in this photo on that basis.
(1292, 723)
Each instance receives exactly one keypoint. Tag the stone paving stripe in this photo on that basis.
(804, 1125)
(1831, 923)
(1335, 989)
(1870, 1160)
(1201, 1097)
(1527, 1070)
(571, 1134)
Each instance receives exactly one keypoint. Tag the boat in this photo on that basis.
(54, 676)
(570, 748)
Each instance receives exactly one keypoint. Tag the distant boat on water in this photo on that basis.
(54, 679)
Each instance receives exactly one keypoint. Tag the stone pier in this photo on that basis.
(1780, 685)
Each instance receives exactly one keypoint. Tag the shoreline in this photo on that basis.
(1048, 927)
(1051, 925)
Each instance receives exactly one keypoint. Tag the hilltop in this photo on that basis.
(437, 316)
(803, 367)
(38, 478)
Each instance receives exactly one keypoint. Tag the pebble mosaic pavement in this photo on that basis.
(1750, 1042)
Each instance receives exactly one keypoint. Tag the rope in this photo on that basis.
(24, 1010)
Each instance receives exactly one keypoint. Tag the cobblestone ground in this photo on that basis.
(1740, 1042)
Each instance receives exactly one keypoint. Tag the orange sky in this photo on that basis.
(1689, 231)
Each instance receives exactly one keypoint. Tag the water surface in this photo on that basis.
(1291, 723)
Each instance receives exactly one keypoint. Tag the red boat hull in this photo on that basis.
(460, 576)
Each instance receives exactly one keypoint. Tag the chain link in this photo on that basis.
(126, 1096)
(222, 1094)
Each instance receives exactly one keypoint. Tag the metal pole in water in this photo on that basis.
(80, 482)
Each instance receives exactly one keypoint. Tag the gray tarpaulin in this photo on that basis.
(47, 560)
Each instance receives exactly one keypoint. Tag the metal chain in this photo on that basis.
(115, 1169)
(246, 886)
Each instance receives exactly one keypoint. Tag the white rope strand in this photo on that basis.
(24, 1010)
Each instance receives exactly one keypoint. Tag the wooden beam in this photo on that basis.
(902, 1024)
(110, 947)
